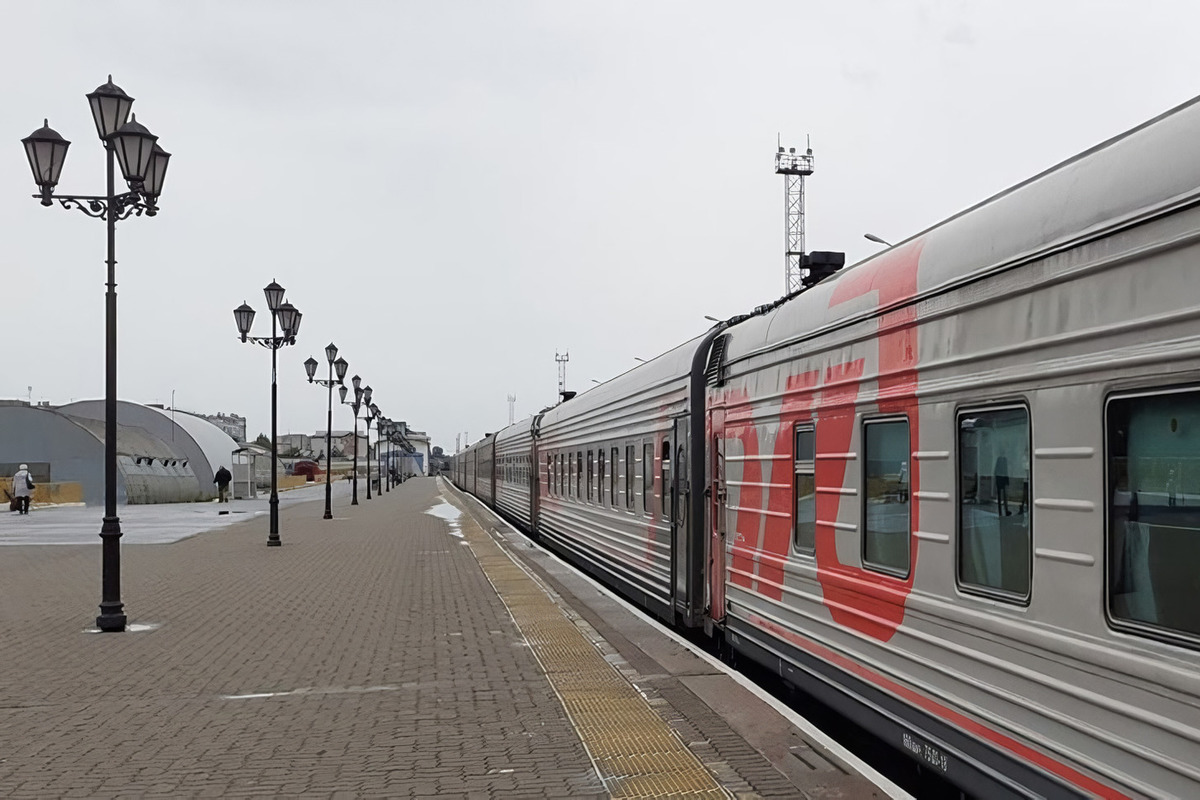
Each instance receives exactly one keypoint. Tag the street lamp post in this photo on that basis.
(391, 427)
(339, 365)
(283, 315)
(354, 406)
(382, 427)
(372, 413)
(144, 167)
(387, 457)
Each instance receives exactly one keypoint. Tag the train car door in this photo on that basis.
(493, 481)
(535, 475)
(716, 545)
(678, 498)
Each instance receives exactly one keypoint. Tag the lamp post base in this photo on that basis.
(273, 536)
(112, 616)
(111, 620)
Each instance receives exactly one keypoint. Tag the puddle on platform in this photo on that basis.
(450, 514)
(131, 627)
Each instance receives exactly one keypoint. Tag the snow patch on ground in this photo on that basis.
(450, 514)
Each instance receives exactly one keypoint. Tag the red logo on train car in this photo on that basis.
(858, 598)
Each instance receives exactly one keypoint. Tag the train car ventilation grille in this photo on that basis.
(714, 374)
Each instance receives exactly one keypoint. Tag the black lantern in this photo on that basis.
(157, 173)
(367, 397)
(342, 391)
(243, 315)
(110, 108)
(289, 320)
(339, 368)
(46, 151)
(134, 146)
(274, 293)
(310, 366)
(356, 382)
(330, 352)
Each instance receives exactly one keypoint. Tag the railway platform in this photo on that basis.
(413, 646)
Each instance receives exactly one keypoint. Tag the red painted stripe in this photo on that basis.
(1018, 749)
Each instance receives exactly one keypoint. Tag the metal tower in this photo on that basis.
(793, 168)
(562, 371)
(512, 404)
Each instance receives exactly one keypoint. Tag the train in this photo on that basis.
(952, 490)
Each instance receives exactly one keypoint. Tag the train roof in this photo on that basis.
(1142, 173)
(675, 365)
(520, 428)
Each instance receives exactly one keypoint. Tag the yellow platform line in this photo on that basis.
(635, 752)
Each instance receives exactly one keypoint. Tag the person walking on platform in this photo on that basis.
(222, 480)
(22, 485)
(1001, 475)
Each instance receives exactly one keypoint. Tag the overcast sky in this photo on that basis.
(452, 192)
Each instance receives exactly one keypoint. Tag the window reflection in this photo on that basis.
(1153, 446)
(805, 489)
(994, 515)
(887, 520)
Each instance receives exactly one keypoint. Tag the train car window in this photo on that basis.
(629, 476)
(600, 476)
(1153, 469)
(666, 480)
(995, 532)
(549, 474)
(612, 477)
(886, 518)
(579, 475)
(571, 484)
(591, 473)
(805, 486)
(647, 478)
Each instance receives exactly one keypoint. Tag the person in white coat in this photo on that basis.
(22, 485)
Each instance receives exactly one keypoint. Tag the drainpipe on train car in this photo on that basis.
(692, 612)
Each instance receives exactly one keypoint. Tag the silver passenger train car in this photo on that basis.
(952, 490)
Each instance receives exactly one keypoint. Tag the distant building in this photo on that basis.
(343, 444)
(232, 424)
(295, 444)
(411, 455)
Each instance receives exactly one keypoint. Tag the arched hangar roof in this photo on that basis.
(195, 438)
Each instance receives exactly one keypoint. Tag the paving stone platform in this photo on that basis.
(398, 650)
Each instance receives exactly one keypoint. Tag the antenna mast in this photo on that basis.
(793, 168)
(512, 403)
(562, 371)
